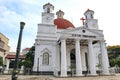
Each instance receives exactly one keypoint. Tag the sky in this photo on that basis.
(12, 12)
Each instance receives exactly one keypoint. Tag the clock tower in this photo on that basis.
(47, 15)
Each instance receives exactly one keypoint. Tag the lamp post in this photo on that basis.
(16, 63)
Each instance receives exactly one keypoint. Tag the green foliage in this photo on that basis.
(114, 49)
(99, 66)
(28, 63)
(113, 54)
(72, 67)
(114, 62)
(1, 61)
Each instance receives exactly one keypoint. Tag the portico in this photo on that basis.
(78, 41)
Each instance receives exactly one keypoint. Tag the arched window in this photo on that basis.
(45, 59)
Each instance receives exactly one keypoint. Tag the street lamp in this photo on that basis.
(16, 63)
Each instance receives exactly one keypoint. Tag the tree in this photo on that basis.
(28, 63)
(1, 61)
(113, 54)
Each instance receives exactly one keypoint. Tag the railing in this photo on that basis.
(114, 70)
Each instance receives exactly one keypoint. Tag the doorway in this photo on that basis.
(73, 59)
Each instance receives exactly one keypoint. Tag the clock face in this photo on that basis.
(48, 18)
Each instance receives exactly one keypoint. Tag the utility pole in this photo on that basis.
(16, 63)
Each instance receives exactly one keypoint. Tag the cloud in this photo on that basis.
(10, 18)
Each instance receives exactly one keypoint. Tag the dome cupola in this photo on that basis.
(60, 14)
(61, 22)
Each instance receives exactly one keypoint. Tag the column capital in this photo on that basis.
(90, 40)
(102, 41)
(63, 39)
(77, 39)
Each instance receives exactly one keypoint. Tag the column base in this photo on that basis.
(92, 74)
(63, 75)
(34, 68)
(78, 75)
(105, 72)
(79, 72)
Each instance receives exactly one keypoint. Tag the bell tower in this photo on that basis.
(47, 15)
(89, 14)
(90, 21)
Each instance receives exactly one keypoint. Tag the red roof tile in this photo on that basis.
(27, 49)
(13, 56)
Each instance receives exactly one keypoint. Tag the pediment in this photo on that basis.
(45, 50)
(82, 31)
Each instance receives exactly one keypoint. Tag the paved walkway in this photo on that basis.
(34, 77)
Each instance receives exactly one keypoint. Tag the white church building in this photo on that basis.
(60, 46)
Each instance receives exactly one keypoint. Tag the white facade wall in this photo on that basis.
(55, 41)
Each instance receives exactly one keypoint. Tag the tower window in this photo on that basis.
(48, 10)
(45, 59)
(91, 16)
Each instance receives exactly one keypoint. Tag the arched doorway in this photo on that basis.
(73, 61)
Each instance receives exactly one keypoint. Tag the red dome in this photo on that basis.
(63, 23)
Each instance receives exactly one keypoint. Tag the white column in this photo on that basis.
(7, 66)
(104, 56)
(78, 58)
(36, 55)
(68, 59)
(92, 66)
(83, 61)
(63, 59)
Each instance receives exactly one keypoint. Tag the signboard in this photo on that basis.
(85, 36)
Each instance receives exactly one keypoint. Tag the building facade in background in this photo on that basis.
(60, 46)
(25, 50)
(10, 60)
(4, 47)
